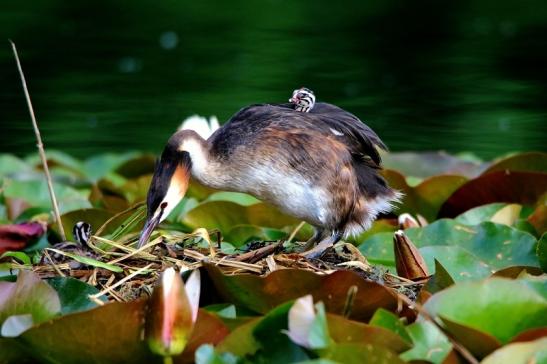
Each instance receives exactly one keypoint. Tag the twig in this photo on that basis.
(121, 281)
(466, 354)
(40, 146)
(256, 255)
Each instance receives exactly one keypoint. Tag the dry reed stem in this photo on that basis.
(40, 146)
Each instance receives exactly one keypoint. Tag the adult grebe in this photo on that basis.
(303, 99)
(320, 166)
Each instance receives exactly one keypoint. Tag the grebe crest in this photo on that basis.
(303, 99)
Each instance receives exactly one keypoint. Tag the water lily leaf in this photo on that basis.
(28, 295)
(19, 236)
(390, 321)
(461, 249)
(440, 280)
(88, 261)
(524, 188)
(343, 330)
(36, 194)
(429, 343)
(20, 256)
(520, 353)
(517, 271)
(55, 159)
(427, 164)
(524, 162)
(428, 196)
(479, 343)
(507, 215)
(500, 307)
(479, 214)
(74, 294)
(206, 355)
(137, 166)
(99, 166)
(541, 251)
(275, 345)
(223, 215)
(349, 353)
(10, 164)
(237, 197)
(261, 294)
(538, 219)
(241, 340)
(97, 335)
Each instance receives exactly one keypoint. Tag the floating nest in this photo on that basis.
(122, 272)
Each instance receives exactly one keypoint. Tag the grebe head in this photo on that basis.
(170, 181)
(303, 99)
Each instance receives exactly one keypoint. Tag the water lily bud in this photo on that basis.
(171, 317)
(307, 324)
(408, 260)
(406, 221)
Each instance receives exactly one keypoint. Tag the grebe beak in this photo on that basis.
(149, 227)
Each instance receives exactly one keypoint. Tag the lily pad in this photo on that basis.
(524, 188)
(524, 162)
(427, 164)
(427, 197)
(466, 252)
(28, 295)
(73, 294)
(223, 215)
(36, 193)
(500, 307)
(261, 294)
(520, 353)
(429, 343)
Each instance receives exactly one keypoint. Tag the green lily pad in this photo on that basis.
(500, 307)
(137, 166)
(223, 215)
(390, 321)
(73, 293)
(36, 193)
(239, 198)
(429, 343)
(466, 252)
(28, 295)
(479, 214)
(427, 164)
(427, 197)
(99, 166)
(10, 164)
(541, 251)
(349, 353)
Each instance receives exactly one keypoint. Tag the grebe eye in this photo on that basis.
(163, 205)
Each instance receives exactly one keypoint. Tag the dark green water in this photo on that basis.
(121, 75)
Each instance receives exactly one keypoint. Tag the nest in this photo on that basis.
(138, 269)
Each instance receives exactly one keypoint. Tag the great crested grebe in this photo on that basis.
(303, 99)
(320, 166)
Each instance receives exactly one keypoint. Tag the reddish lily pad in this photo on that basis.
(529, 162)
(524, 188)
(427, 197)
(261, 294)
(17, 237)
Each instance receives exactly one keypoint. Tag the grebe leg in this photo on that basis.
(323, 245)
(318, 234)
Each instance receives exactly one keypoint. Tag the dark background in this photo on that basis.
(121, 75)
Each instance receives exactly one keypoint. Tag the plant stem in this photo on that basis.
(40, 146)
(167, 360)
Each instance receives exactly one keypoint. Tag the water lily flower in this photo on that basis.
(408, 260)
(172, 313)
(308, 324)
(200, 125)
